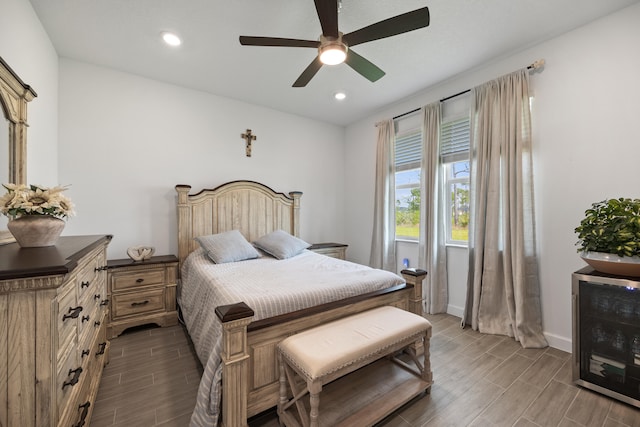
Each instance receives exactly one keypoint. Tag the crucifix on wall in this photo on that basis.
(249, 138)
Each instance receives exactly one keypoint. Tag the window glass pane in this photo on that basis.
(408, 204)
(460, 212)
(458, 202)
(460, 170)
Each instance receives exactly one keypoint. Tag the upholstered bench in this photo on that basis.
(316, 357)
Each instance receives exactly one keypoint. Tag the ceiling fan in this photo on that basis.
(334, 47)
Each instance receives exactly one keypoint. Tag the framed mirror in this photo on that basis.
(14, 95)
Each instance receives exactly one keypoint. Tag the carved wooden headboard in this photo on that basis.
(248, 206)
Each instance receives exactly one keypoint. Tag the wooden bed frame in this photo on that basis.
(250, 372)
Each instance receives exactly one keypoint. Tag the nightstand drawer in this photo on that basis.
(141, 292)
(334, 250)
(132, 279)
(137, 303)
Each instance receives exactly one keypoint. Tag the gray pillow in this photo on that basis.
(229, 246)
(281, 244)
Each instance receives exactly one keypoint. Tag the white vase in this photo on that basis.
(34, 231)
(613, 264)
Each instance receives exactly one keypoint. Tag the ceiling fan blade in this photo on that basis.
(389, 27)
(308, 73)
(328, 15)
(276, 41)
(364, 66)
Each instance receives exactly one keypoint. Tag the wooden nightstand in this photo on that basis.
(335, 250)
(141, 292)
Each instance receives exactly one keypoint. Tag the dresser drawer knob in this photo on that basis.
(76, 377)
(73, 313)
(96, 296)
(96, 323)
(102, 346)
(140, 280)
(83, 417)
(84, 353)
(85, 319)
(84, 285)
(104, 302)
(101, 268)
(138, 304)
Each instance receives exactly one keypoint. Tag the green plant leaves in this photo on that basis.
(611, 226)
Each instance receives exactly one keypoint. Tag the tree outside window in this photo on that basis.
(457, 184)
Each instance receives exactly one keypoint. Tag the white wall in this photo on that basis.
(126, 141)
(586, 148)
(25, 46)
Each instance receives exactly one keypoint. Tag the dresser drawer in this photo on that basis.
(68, 313)
(70, 374)
(129, 304)
(88, 327)
(131, 279)
(87, 283)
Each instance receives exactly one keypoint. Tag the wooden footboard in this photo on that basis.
(250, 371)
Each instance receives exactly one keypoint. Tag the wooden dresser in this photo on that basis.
(53, 346)
(142, 292)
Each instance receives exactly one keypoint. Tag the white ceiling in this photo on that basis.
(125, 35)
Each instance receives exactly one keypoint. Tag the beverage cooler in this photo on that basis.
(606, 334)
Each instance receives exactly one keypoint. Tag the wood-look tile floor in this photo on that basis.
(480, 380)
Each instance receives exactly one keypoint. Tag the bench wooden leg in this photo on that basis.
(426, 370)
(314, 399)
(283, 389)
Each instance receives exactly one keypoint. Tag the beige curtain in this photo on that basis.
(432, 254)
(503, 293)
(383, 242)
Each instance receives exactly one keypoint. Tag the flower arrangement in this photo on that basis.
(22, 200)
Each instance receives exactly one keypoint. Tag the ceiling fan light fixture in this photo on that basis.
(333, 53)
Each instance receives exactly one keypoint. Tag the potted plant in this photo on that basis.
(35, 213)
(609, 236)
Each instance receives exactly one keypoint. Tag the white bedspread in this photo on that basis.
(270, 287)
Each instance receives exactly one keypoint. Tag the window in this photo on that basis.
(408, 152)
(454, 154)
(455, 135)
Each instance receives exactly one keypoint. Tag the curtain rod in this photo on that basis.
(536, 65)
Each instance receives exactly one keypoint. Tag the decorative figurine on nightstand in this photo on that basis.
(140, 253)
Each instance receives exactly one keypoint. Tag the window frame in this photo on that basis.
(408, 128)
(454, 149)
(448, 183)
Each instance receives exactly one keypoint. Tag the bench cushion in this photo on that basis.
(328, 348)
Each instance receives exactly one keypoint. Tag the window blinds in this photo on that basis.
(408, 150)
(455, 140)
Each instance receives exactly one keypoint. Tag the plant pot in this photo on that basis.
(613, 264)
(34, 231)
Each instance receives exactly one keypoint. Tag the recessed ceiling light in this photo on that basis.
(339, 96)
(171, 39)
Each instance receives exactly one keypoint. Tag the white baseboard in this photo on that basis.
(561, 343)
(555, 341)
(455, 310)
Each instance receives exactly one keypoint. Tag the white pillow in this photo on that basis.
(230, 246)
(281, 244)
